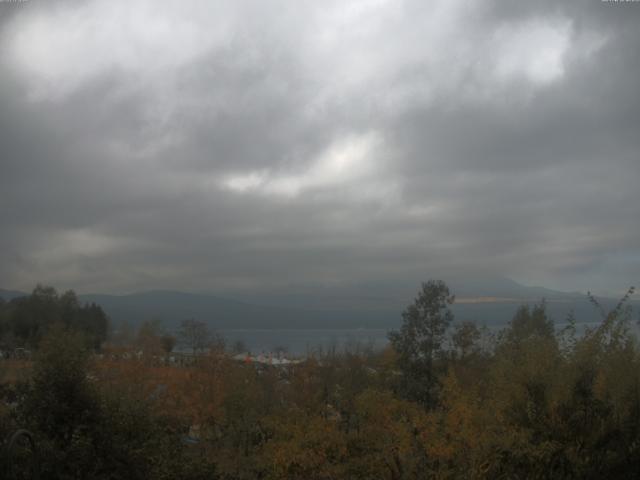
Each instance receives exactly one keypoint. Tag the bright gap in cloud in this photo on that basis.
(65, 245)
(534, 50)
(347, 161)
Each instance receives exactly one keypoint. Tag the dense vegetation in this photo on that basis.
(24, 321)
(445, 400)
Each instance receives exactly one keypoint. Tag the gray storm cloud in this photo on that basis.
(239, 145)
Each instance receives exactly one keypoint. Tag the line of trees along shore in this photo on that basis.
(444, 400)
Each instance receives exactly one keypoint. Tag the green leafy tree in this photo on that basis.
(420, 340)
(86, 431)
(60, 402)
(465, 339)
(29, 318)
(529, 322)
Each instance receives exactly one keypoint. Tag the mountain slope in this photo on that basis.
(485, 301)
(10, 294)
(331, 312)
(172, 307)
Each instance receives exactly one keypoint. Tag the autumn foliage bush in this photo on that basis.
(527, 402)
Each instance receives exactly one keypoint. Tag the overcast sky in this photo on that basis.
(232, 145)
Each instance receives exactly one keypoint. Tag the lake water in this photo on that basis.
(304, 341)
(301, 342)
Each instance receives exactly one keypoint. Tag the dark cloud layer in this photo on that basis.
(250, 145)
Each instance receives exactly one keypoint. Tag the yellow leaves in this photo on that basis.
(388, 421)
(388, 358)
(503, 414)
(389, 432)
(464, 433)
(303, 447)
(374, 440)
(453, 428)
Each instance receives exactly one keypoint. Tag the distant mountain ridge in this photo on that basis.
(172, 306)
(10, 294)
(491, 302)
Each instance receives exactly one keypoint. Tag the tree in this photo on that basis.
(85, 427)
(195, 335)
(94, 323)
(33, 314)
(465, 339)
(420, 339)
(29, 318)
(168, 342)
(530, 322)
(60, 395)
(59, 403)
(148, 337)
(123, 334)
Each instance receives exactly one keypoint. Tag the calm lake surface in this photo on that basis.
(300, 342)
(304, 341)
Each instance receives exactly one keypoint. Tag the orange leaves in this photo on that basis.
(516, 410)
(192, 394)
